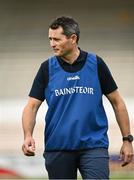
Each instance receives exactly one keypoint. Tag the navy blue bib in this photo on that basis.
(75, 118)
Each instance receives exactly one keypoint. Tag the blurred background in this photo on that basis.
(107, 29)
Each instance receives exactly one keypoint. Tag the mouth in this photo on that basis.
(55, 50)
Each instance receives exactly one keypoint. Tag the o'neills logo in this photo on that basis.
(73, 78)
(74, 90)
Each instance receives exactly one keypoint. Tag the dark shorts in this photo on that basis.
(92, 164)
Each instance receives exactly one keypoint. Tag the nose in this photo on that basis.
(52, 43)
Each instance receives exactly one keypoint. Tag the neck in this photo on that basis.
(71, 56)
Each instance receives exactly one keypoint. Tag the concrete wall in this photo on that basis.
(107, 28)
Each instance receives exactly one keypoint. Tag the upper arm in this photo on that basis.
(40, 82)
(115, 98)
(106, 79)
(33, 104)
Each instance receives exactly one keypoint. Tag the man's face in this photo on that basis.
(60, 43)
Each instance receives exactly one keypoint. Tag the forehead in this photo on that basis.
(56, 32)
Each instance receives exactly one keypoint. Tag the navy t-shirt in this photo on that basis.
(41, 80)
(76, 118)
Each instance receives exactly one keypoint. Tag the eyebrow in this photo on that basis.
(50, 38)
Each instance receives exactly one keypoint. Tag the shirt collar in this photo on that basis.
(80, 58)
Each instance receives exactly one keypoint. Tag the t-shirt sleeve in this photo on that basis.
(106, 79)
(40, 82)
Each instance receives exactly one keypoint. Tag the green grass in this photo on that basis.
(122, 175)
(114, 176)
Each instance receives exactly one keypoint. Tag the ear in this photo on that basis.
(73, 38)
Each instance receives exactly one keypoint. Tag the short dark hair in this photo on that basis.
(69, 25)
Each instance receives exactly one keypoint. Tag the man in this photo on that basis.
(73, 82)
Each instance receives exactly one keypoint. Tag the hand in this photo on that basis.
(126, 153)
(28, 146)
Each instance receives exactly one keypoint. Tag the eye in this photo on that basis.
(56, 39)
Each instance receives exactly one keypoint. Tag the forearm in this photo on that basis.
(28, 121)
(121, 113)
(29, 116)
(126, 152)
(122, 118)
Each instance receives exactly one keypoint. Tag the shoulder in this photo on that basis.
(43, 71)
(102, 66)
(44, 64)
(44, 67)
(100, 61)
(40, 82)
